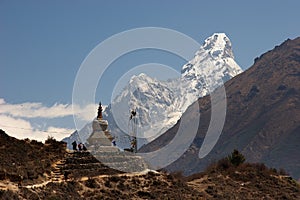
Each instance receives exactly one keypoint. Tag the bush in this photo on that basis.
(91, 183)
(282, 172)
(115, 179)
(177, 175)
(236, 158)
(50, 140)
(144, 194)
(224, 164)
(8, 194)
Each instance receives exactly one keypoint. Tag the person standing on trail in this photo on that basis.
(80, 146)
(84, 148)
(74, 144)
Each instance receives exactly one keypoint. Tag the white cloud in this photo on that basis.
(21, 129)
(17, 119)
(59, 133)
(38, 110)
(86, 114)
(32, 110)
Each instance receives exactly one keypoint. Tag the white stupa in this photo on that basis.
(100, 135)
(100, 145)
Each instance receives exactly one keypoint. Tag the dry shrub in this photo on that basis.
(107, 183)
(8, 195)
(144, 194)
(194, 176)
(223, 164)
(282, 172)
(91, 183)
(236, 158)
(177, 175)
(114, 179)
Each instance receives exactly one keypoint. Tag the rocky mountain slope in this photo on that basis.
(262, 119)
(76, 175)
(160, 104)
(222, 180)
(87, 178)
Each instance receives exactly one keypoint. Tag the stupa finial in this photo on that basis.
(99, 116)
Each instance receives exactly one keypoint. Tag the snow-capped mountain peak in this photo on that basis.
(217, 49)
(135, 79)
(212, 65)
(159, 104)
(218, 45)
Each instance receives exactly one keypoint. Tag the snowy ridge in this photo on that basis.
(160, 104)
(155, 103)
(212, 65)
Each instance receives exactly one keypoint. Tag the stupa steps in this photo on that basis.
(128, 166)
(86, 172)
(84, 166)
(117, 158)
(120, 162)
(105, 161)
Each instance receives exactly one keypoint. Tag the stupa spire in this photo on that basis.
(99, 116)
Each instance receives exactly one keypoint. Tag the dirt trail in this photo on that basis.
(7, 185)
(86, 178)
(132, 174)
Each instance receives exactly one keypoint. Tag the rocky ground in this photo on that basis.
(247, 181)
(78, 175)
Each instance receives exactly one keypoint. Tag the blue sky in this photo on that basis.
(43, 43)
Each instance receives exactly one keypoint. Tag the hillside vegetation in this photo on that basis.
(28, 160)
(229, 178)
